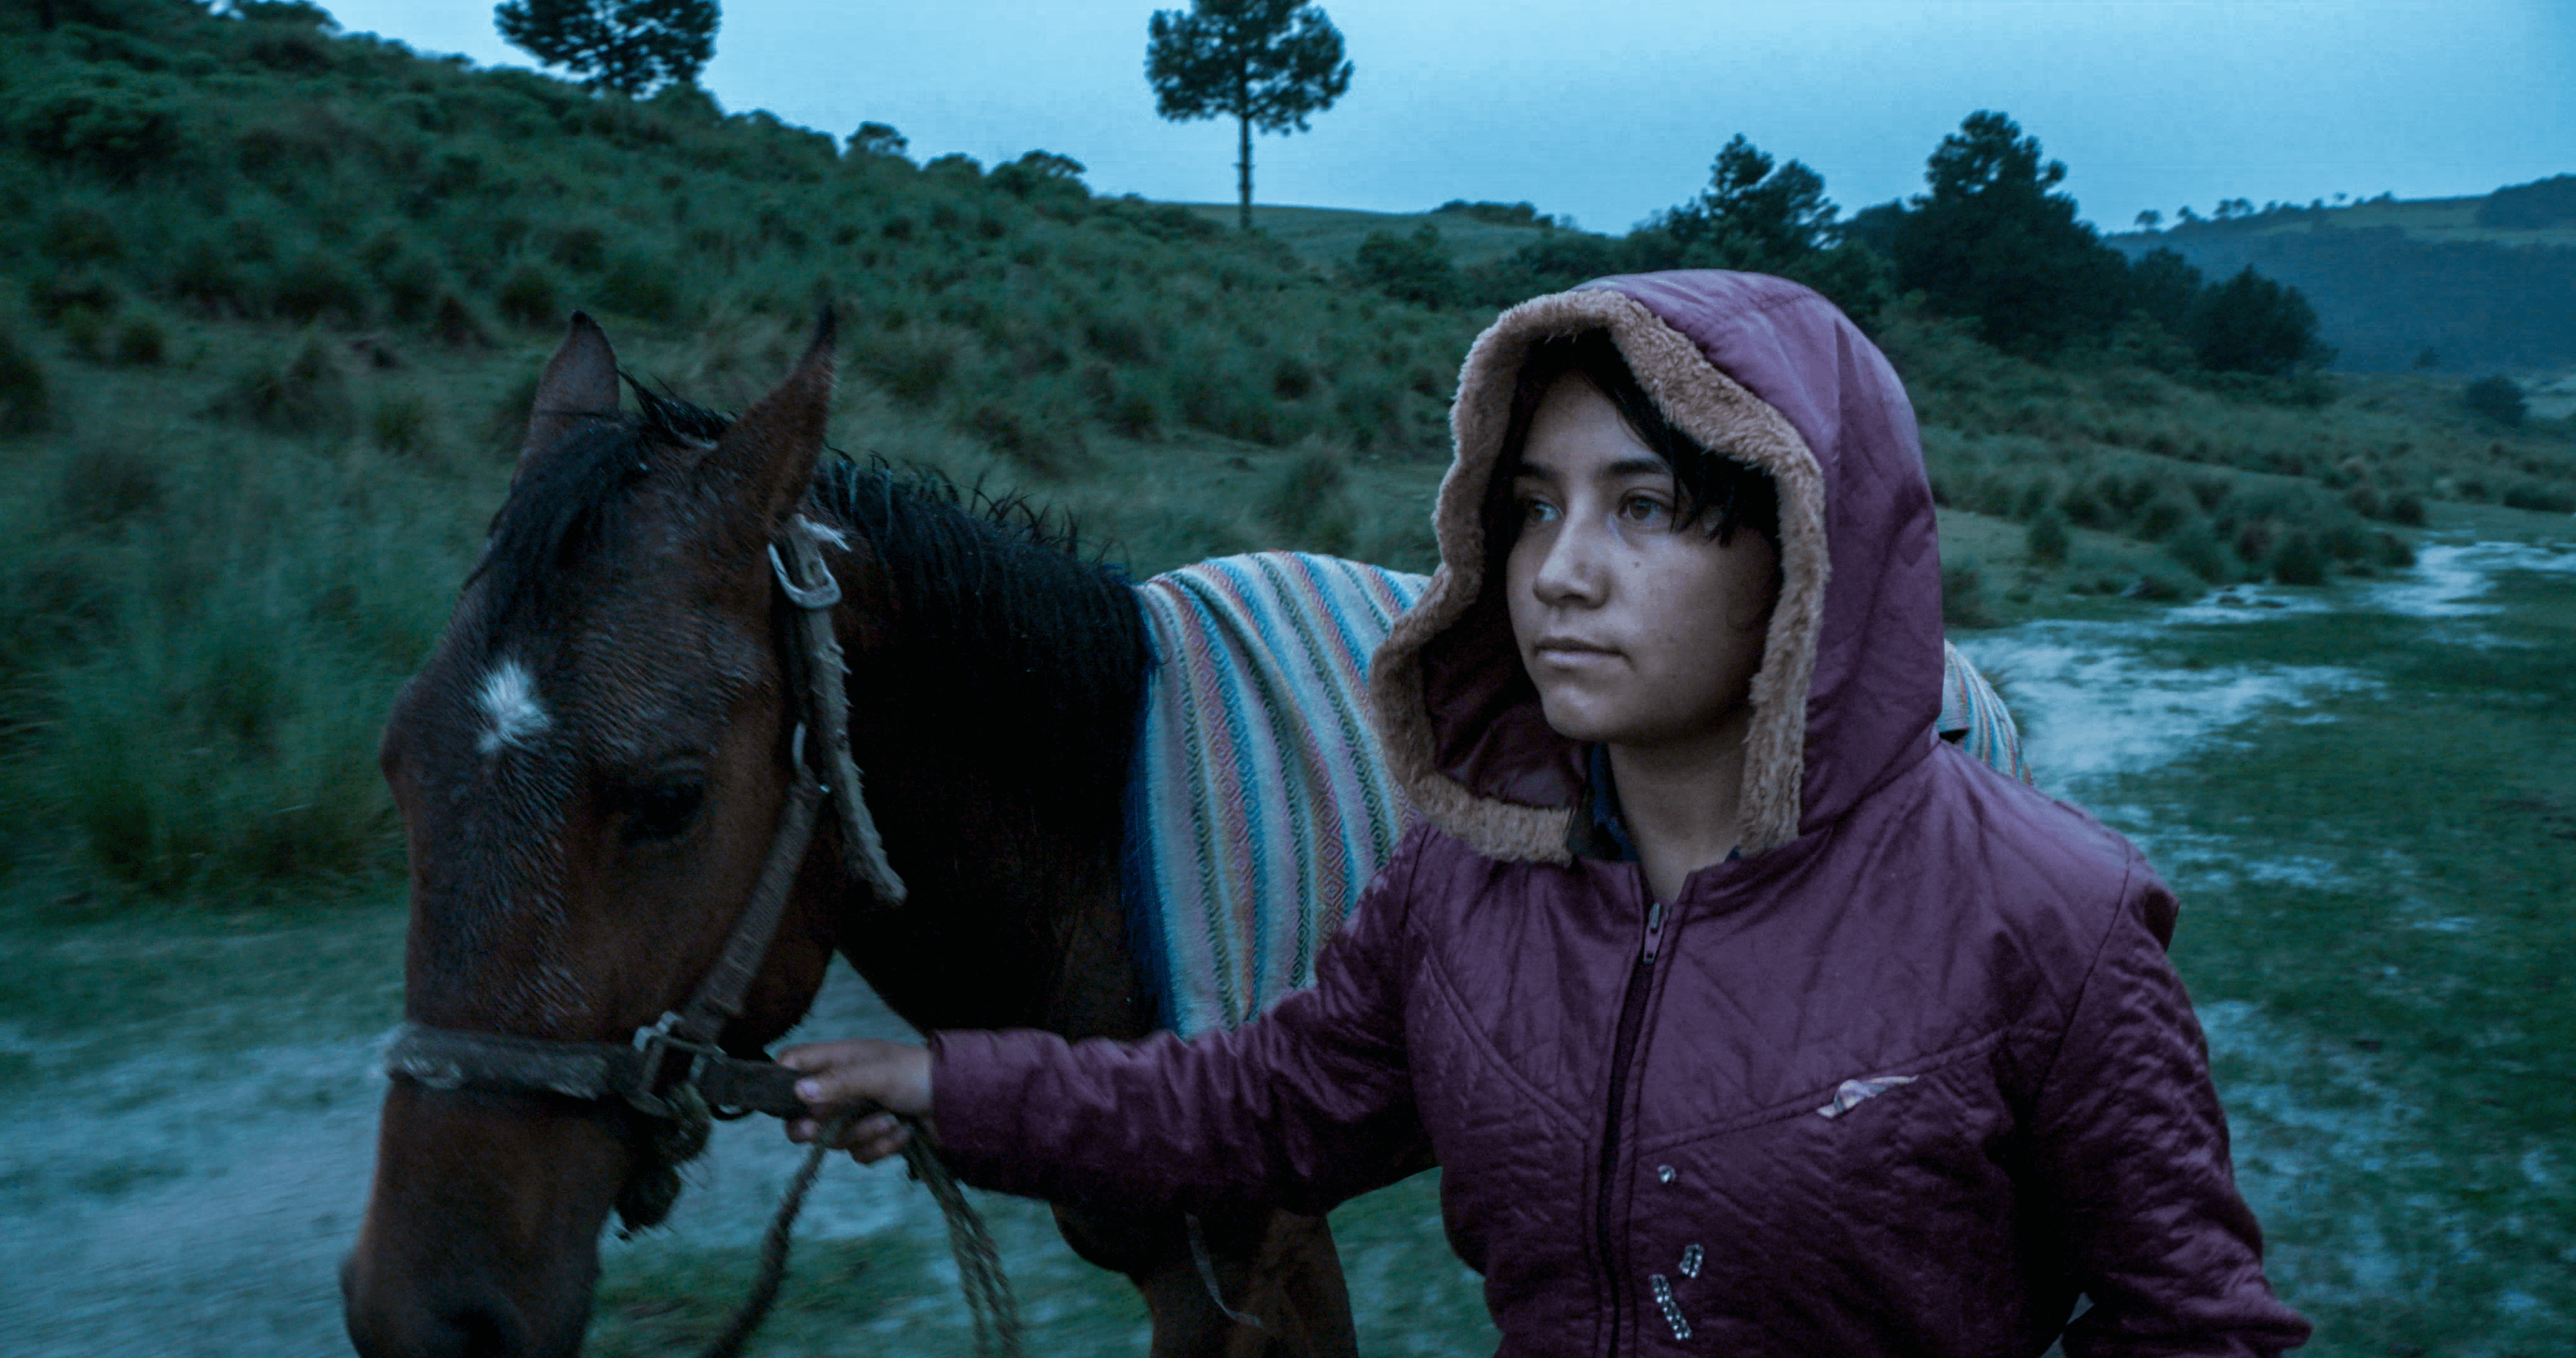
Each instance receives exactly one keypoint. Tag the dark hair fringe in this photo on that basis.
(1711, 487)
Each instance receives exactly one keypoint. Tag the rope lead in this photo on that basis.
(979, 1263)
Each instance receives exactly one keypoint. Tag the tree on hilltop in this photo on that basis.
(1993, 240)
(1755, 214)
(1267, 64)
(630, 46)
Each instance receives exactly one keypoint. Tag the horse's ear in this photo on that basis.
(578, 387)
(761, 467)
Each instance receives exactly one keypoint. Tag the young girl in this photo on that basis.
(1741, 1014)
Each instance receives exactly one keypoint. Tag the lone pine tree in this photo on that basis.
(630, 46)
(1267, 64)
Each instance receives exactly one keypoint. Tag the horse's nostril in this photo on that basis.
(482, 1332)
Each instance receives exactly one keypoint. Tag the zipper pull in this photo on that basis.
(1654, 931)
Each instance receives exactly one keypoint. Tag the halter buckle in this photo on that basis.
(656, 1042)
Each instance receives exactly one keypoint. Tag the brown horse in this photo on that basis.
(589, 771)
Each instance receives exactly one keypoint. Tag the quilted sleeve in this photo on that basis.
(1303, 1108)
(2131, 1153)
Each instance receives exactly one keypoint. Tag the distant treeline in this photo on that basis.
(2389, 301)
(1991, 242)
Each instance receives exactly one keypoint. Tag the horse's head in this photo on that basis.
(589, 771)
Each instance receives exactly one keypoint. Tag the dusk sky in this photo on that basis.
(1612, 109)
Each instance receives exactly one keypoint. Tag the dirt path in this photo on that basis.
(181, 1206)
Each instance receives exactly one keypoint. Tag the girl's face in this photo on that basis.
(1637, 632)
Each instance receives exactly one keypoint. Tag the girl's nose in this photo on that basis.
(1570, 572)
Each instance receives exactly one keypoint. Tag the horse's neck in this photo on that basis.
(994, 750)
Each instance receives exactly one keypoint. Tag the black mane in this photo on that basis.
(1027, 657)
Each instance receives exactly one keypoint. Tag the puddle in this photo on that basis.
(2450, 578)
(2090, 709)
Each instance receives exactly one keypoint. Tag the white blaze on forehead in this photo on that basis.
(509, 702)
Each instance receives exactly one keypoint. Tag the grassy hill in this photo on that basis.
(1327, 237)
(272, 302)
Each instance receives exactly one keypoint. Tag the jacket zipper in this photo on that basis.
(1632, 1017)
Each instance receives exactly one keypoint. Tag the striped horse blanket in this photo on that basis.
(1974, 715)
(1260, 804)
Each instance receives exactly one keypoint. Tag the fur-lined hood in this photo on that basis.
(1759, 369)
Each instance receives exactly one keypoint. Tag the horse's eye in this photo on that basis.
(660, 811)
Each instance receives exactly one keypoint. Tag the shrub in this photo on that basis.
(2497, 398)
(2299, 559)
(400, 423)
(2408, 509)
(1123, 401)
(314, 287)
(1118, 336)
(1031, 426)
(2161, 516)
(1369, 409)
(26, 398)
(117, 128)
(2545, 499)
(635, 285)
(1309, 500)
(308, 394)
(208, 278)
(2193, 548)
(1292, 378)
(1963, 595)
(453, 323)
(2047, 540)
(527, 297)
(913, 364)
(1217, 396)
(140, 343)
(2165, 586)
(81, 235)
(582, 248)
(104, 483)
(1412, 268)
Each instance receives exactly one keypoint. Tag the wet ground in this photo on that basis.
(181, 1196)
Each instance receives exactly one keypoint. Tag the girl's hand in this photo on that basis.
(893, 1075)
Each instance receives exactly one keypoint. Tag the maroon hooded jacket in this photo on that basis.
(1906, 1077)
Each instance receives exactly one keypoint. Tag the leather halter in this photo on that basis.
(675, 1060)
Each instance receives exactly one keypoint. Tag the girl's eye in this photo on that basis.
(1643, 509)
(1536, 511)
